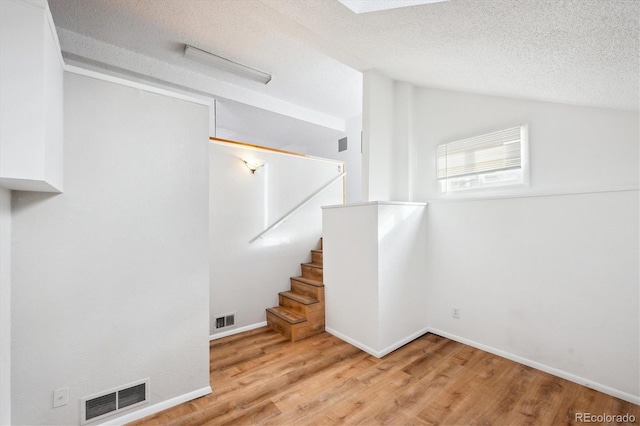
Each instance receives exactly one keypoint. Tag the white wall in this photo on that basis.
(401, 253)
(389, 142)
(404, 158)
(571, 148)
(546, 274)
(350, 255)
(551, 280)
(246, 277)
(110, 279)
(378, 114)
(328, 148)
(244, 123)
(31, 106)
(5, 306)
(554, 279)
(373, 254)
(352, 158)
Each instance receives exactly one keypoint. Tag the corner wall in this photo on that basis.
(5, 306)
(377, 135)
(110, 278)
(548, 274)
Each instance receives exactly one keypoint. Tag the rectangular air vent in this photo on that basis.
(131, 396)
(230, 320)
(101, 405)
(226, 320)
(114, 401)
(342, 144)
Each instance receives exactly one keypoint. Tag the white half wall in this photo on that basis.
(373, 274)
(110, 278)
(350, 258)
(5, 306)
(246, 276)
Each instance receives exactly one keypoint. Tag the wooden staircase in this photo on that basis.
(301, 310)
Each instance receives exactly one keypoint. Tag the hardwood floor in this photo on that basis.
(259, 377)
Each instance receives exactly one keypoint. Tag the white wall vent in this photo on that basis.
(114, 401)
(226, 320)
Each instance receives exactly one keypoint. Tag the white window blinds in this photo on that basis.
(482, 160)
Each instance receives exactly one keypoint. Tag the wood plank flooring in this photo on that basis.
(259, 377)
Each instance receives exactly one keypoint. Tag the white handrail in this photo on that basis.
(298, 207)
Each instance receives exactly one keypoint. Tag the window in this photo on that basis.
(486, 161)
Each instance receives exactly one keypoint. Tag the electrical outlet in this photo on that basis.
(455, 313)
(60, 397)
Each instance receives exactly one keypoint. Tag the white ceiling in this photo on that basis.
(581, 52)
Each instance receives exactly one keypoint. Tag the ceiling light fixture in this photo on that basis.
(223, 64)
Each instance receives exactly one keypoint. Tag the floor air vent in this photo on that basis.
(114, 401)
(226, 320)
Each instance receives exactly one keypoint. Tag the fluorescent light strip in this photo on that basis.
(366, 6)
(225, 64)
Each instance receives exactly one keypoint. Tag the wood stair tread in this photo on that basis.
(301, 311)
(316, 283)
(286, 315)
(299, 297)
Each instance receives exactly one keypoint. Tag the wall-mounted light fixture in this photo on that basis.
(224, 64)
(253, 164)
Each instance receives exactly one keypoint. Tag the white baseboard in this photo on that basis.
(403, 342)
(542, 367)
(156, 408)
(530, 363)
(237, 330)
(371, 351)
(349, 340)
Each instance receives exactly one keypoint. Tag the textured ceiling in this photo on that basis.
(576, 51)
(583, 52)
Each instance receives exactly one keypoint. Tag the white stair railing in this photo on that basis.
(295, 209)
